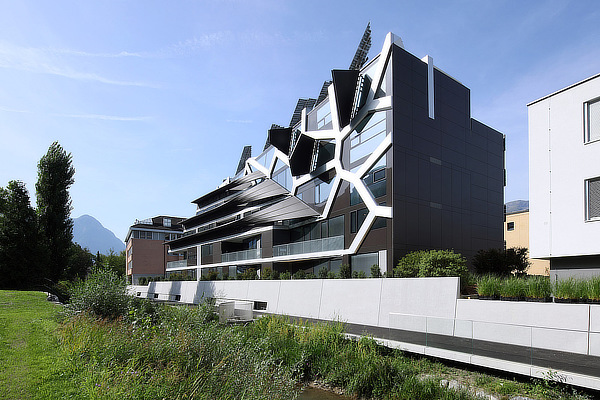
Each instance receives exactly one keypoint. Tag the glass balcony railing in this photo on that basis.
(177, 264)
(309, 246)
(241, 255)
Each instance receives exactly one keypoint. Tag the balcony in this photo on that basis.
(309, 246)
(177, 264)
(251, 254)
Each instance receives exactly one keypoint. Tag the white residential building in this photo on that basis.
(564, 179)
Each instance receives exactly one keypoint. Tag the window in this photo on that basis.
(167, 222)
(357, 218)
(206, 250)
(592, 199)
(591, 112)
(510, 226)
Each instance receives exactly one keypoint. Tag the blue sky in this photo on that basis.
(155, 99)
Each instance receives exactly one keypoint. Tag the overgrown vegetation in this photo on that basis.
(501, 262)
(153, 351)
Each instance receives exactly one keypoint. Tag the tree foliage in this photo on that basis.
(501, 262)
(432, 263)
(20, 255)
(55, 177)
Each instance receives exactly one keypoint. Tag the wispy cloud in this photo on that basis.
(239, 121)
(13, 110)
(197, 43)
(103, 117)
(44, 61)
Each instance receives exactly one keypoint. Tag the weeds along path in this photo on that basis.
(30, 356)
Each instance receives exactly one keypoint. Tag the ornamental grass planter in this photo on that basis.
(511, 298)
(539, 299)
(489, 297)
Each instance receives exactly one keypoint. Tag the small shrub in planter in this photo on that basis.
(300, 274)
(488, 287)
(513, 289)
(323, 272)
(569, 290)
(408, 266)
(331, 275)
(345, 271)
(286, 275)
(375, 271)
(266, 273)
(539, 288)
(594, 289)
(444, 263)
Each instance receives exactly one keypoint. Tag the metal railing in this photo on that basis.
(177, 264)
(309, 246)
(241, 255)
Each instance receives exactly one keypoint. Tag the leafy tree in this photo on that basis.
(444, 263)
(408, 266)
(55, 177)
(115, 262)
(19, 240)
(79, 264)
(501, 262)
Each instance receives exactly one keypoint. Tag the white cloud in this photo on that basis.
(44, 61)
(103, 117)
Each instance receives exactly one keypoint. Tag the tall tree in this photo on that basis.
(55, 176)
(19, 239)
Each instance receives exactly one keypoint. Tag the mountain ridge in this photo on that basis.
(89, 233)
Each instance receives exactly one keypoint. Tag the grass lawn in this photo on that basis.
(31, 366)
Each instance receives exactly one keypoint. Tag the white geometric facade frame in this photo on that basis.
(337, 135)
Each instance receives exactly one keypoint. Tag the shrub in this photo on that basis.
(489, 286)
(444, 263)
(300, 274)
(331, 275)
(276, 274)
(323, 272)
(375, 271)
(266, 273)
(142, 281)
(286, 275)
(310, 275)
(248, 275)
(501, 262)
(408, 266)
(103, 293)
(345, 271)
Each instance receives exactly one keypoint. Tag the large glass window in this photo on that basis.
(375, 179)
(367, 136)
(364, 262)
(592, 199)
(592, 121)
(206, 250)
(282, 175)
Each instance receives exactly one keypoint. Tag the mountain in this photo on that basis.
(90, 233)
(516, 206)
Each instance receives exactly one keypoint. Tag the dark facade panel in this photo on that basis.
(302, 156)
(281, 138)
(344, 85)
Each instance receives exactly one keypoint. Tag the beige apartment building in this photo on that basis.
(516, 234)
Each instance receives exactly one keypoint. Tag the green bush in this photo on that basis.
(248, 275)
(300, 274)
(489, 286)
(323, 272)
(103, 293)
(267, 273)
(345, 271)
(286, 275)
(408, 266)
(513, 261)
(444, 263)
(331, 275)
(566, 289)
(375, 271)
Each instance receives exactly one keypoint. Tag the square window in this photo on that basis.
(379, 175)
(592, 121)
(510, 226)
(592, 199)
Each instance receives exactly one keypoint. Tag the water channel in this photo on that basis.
(310, 393)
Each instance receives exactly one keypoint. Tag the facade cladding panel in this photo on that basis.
(448, 171)
(409, 175)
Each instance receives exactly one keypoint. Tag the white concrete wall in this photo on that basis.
(559, 163)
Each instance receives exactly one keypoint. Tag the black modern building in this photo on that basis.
(386, 160)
